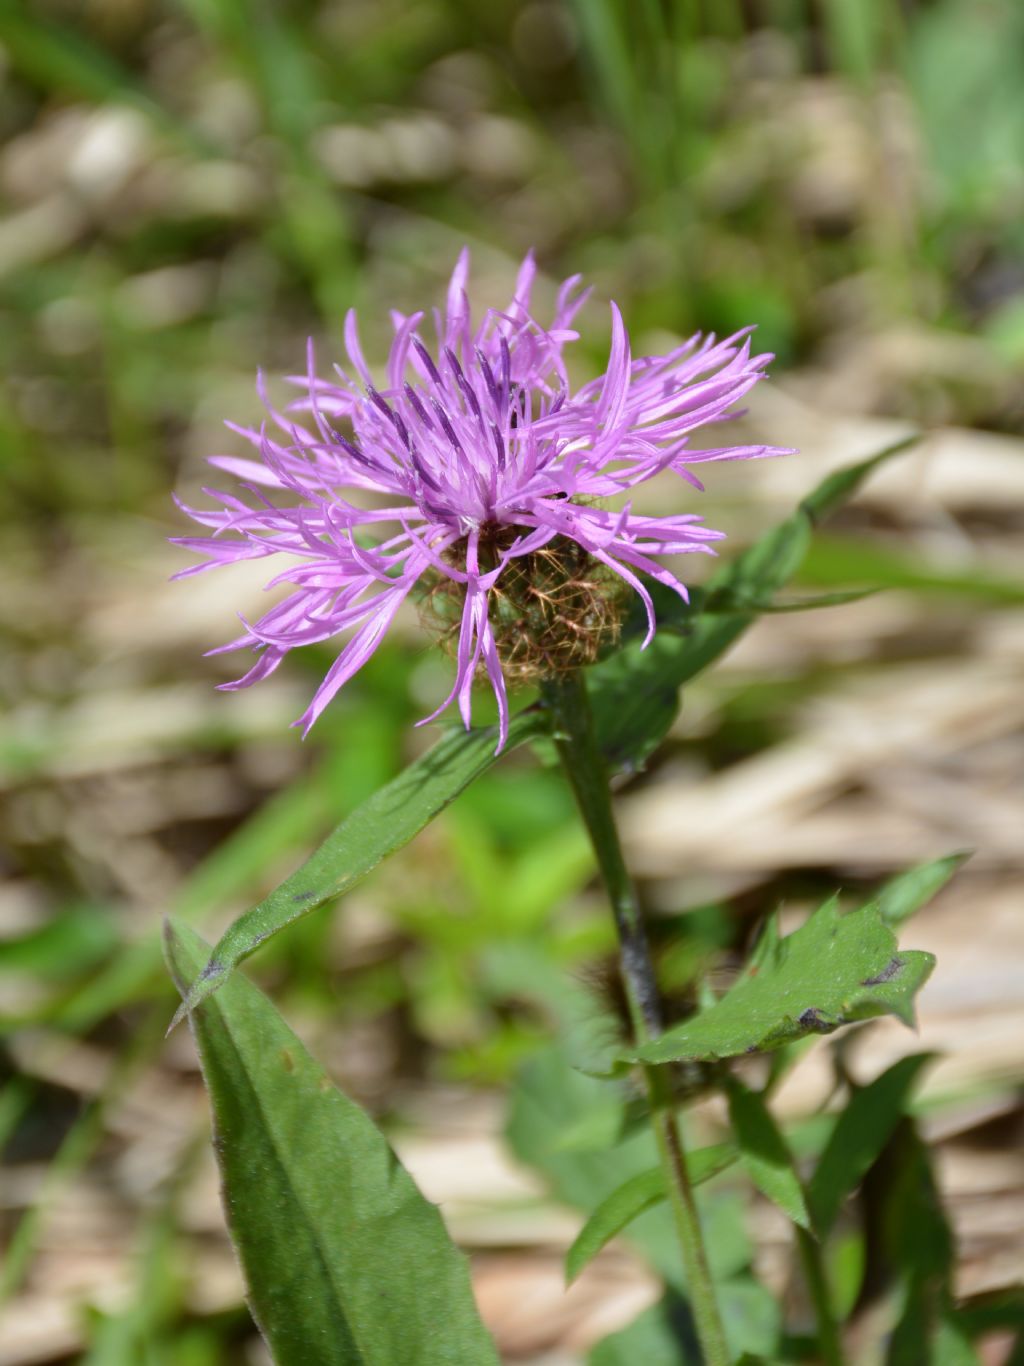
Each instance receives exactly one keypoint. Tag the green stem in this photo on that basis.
(585, 769)
(829, 1343)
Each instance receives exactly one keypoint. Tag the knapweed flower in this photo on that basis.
(474, 474)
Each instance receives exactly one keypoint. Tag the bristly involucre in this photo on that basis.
(480, 465)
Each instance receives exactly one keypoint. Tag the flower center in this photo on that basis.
(551, 611)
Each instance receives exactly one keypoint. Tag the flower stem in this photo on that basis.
(585, 769)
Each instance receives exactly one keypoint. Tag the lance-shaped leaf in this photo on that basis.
(865, 1125)
(635, 692)
(917, 1247)
(639, 1193)
(346, 1263)
(813, 603)
(389, 819)
(833, 970)
(908, 892)
(764, 1153)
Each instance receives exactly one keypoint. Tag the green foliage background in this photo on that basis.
(190, 189)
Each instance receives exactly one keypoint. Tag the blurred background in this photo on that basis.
(189, 191)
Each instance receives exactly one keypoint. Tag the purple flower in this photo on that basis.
(471, 462)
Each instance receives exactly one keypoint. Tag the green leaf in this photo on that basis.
(640, 1192)
(612, 1215)
(846, 1264)
(917, 1240)
(909, 891)
(862, 1131)
(917, 1246)
(833, 970)
(990, 1310)
(634, 693)
(814, 603)
(833, 559)
(388, 820)
(347, 1264)
(764, 1153)
(838, 488)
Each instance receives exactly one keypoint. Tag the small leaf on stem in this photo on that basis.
(640, 1192)
(764, 1153)
(832, 971)
(909, 891)
(861, 1132)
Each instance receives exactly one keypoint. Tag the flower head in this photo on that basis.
(475, 472)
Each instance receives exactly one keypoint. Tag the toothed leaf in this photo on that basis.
(833, 970)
